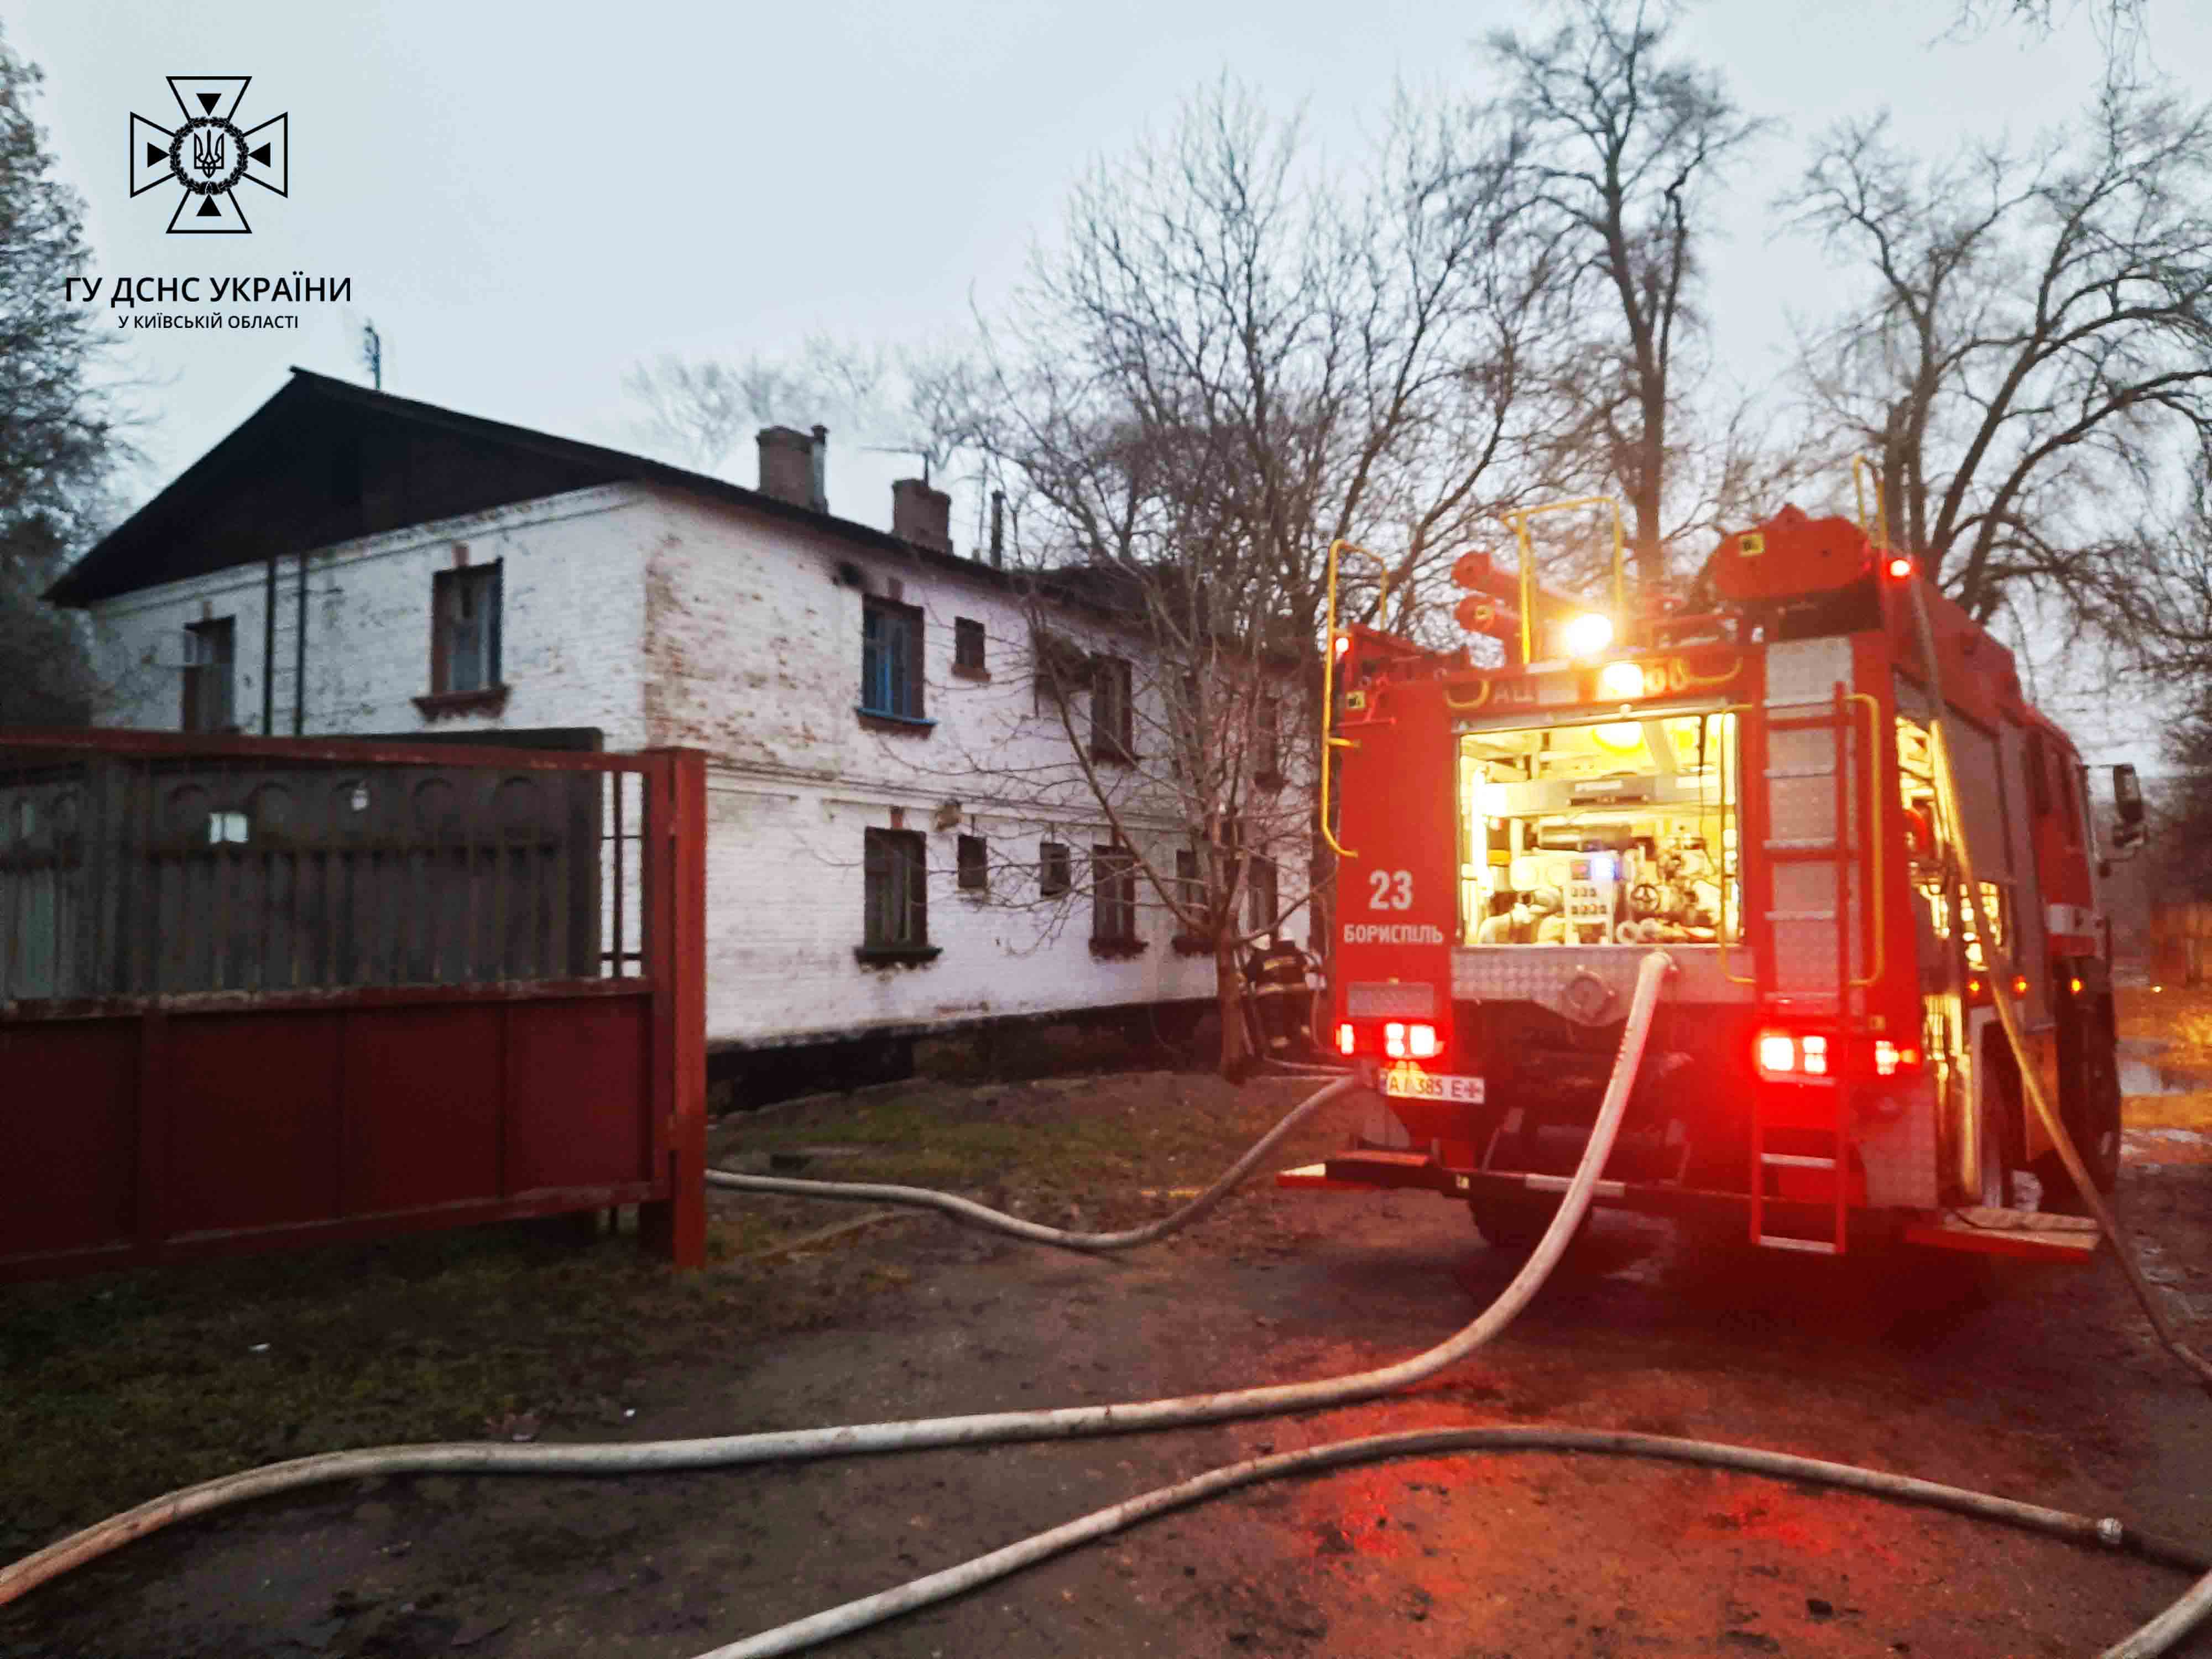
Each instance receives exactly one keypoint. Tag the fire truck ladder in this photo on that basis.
(1813, 855)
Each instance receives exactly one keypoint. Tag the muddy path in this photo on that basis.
(2046, 1389)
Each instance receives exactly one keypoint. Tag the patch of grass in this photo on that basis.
(2179, 1016)
(2191, 1111)
(116, 1388)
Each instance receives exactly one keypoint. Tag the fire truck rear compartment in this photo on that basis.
(1598, 832)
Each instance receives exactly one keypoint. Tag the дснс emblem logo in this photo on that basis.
(209, 155)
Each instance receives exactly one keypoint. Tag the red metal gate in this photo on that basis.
(258, 993)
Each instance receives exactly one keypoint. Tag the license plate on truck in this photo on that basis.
(1411, 1083)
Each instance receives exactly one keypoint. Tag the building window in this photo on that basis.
(464, 642)
(1113, 896)
(1112, 711)
(1053, 869)
(1062, 670)
(1262, 905)
(1188, 886)
(975, 864)
(1267, 743)
(896, 882)
(210, 670)
(891, 660)
(967, 648)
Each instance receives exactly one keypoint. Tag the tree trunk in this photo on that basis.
(1229, 1004)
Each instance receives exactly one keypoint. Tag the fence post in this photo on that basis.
(676, 1227)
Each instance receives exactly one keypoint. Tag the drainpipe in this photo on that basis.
(300, 656)
(269, 652)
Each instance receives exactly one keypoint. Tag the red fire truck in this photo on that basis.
(1745, 780)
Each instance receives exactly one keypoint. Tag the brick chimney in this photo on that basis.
(921, 515)
(787, 465)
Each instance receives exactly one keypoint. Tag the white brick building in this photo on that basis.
(866, 699)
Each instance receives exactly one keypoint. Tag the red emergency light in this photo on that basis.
(1794, 1055)
(1401, 1039)
(1899, 567)
(1820, 1056)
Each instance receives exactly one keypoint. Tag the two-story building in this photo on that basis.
(885, 860)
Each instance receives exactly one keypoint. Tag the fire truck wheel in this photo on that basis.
(1509, 1220)
(2091, 1115)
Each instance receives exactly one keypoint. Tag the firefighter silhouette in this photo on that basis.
(1276, 972)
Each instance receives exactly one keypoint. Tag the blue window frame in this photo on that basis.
(891, 660)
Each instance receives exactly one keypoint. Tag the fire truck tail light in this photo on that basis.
(1421, 1041)
(1813, 1056)
(1346, 1040)
(1899, 567)
(1889, 1059)
(2020, 985)
(1394, 1039)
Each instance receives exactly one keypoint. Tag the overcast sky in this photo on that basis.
(530, 198)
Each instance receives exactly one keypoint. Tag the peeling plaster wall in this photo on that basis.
(753, 647)
(665, 620)
(572, 628)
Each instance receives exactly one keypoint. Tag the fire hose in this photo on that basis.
(727, 1451)
(964, 1209)
(2169, 1627)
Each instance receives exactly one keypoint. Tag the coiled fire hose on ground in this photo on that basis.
(727, 1451)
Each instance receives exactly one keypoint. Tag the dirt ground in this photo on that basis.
(2045, 1386)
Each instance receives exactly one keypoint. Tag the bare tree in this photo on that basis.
(2033, 356)
(2117, 21)
(913, 398)
(1233, 358)
(1626, 145)
(59, 426)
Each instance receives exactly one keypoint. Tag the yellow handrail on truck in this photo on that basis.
(1328, 682)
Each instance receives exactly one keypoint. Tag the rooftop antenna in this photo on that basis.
(901, 449)
(372, 353)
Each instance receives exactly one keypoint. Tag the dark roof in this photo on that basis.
(325, 461)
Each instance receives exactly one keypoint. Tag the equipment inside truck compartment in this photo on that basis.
(1601, 832)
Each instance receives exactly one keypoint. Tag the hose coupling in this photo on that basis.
(2111, 1531)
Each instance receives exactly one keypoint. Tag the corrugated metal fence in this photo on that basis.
(414, 985)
